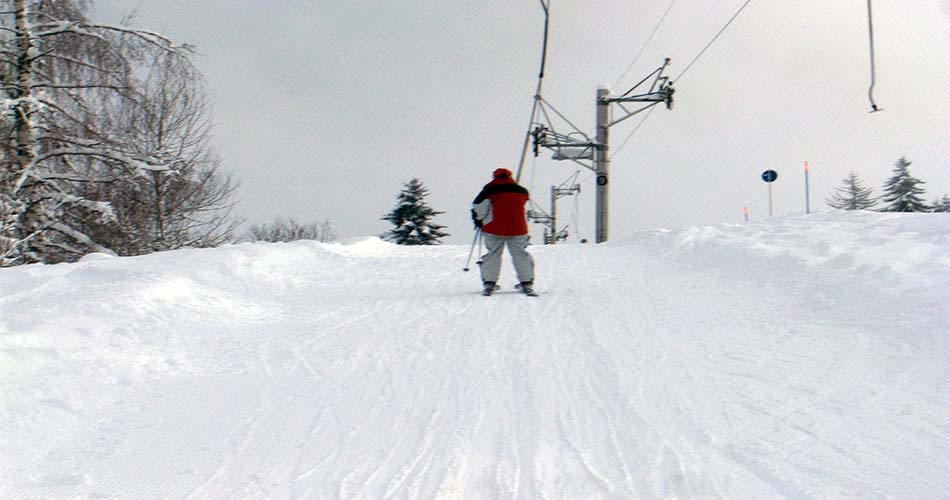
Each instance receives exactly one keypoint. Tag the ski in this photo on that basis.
(488, 292)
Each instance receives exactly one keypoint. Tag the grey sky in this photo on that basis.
(324, 108)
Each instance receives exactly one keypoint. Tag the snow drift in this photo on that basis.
(803, 357)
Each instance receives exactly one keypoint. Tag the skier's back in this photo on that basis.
(499, 211)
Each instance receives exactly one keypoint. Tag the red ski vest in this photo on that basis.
(508, 200)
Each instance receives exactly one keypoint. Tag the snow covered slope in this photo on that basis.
(804, 357)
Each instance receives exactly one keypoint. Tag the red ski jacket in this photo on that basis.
(508, 199)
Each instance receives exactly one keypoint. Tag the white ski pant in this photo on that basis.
(517, 247)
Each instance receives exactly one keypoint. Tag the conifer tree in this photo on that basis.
(412, 218)
(901, 191)
(852, 195)
(943, 204)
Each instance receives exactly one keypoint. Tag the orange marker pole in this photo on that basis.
(807, 201)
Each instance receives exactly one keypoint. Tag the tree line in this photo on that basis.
(105, 142)
(902, 192)
(106, 146)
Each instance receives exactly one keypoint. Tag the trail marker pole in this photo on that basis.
(807, 200)
(769, 177)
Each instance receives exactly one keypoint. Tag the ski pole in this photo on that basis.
(476, 239)
(481, 239)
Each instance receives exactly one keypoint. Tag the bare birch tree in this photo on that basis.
(186, 203)
(76, 150)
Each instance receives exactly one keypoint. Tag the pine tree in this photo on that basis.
(943, 204)
(901, 191)
(852, 195)
(411, 216)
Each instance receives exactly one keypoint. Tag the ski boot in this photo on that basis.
(527, 288)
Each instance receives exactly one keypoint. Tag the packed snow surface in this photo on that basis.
(801, 357)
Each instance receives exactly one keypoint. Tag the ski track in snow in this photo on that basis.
(807, 357)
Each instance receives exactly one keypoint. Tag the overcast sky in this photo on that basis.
(324, 108)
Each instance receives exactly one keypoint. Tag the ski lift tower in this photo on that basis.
(578, 147)
(552, 234)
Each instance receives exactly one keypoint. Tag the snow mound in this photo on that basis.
(370, 246)
(911, 246)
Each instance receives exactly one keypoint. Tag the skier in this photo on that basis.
(498, 211)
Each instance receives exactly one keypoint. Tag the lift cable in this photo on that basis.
(690, 65)
(570, 181)
(634, 131)
(874, 107)
(645, 44)
(546, 6)
(574, 216)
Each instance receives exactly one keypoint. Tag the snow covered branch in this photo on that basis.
(107, 139)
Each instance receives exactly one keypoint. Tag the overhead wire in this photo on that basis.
(634, 131)
(574, 216)
(572, 180)
(733, 18)
(688, 66)
(645, 44)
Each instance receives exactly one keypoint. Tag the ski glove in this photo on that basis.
(482, 213)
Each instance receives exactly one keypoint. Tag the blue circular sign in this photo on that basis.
(769, 176)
